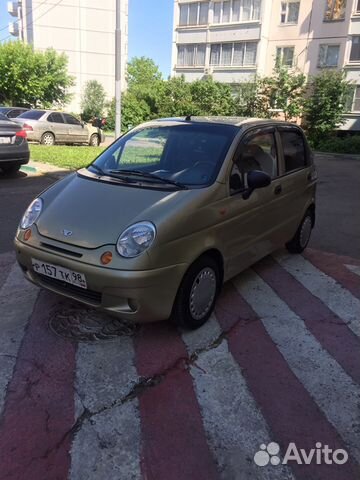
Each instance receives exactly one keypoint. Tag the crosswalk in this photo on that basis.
(277, 362)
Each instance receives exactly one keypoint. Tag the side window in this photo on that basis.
(257, 152)
(13, 113)
(71, 120)
(55, 117)
(294, 150)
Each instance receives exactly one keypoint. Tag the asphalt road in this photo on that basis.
(338, 220)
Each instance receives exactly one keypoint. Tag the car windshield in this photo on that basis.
(32, 114)
(186, 155)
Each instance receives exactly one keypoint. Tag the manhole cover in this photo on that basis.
(88, 325)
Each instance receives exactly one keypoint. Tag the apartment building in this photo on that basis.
(235, 39)
(82, 29)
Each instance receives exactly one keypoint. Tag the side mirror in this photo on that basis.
(256, 179)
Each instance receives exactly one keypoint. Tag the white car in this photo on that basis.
(49, 127)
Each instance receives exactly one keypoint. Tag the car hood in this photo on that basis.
(97, 212)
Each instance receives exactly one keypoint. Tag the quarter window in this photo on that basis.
(194, 13)
(285, 56)
(236, 11)
(335, 10)
(55, 117)
(355, 49)
(233, 54)
(328, 55)
(294, 150)
(191, 55)
(290, 12)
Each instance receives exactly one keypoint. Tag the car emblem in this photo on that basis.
(67, 233)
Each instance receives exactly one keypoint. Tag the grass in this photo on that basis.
(64, 156)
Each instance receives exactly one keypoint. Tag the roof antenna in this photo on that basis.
(188, 118)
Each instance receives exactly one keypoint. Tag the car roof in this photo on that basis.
(235, 121)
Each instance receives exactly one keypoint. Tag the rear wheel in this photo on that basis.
(47, 139)
(94, 140)
(302, 236)
(197, 294)
(11, 168)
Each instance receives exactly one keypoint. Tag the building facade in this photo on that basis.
(82, 29)
(233, 40)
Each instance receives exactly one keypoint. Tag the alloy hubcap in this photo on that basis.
(48, 140)
(305, 231)
(95, 141)
(202, 293)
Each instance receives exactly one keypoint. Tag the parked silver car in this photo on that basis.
(49, 127)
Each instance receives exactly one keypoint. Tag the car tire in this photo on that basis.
(94, 140)
(197, 294)
(11, 168)
(302, 236)
(48, 139)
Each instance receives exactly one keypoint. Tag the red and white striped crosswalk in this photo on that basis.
(277, 362)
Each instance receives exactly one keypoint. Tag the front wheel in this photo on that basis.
(94, 140)
(302, 236)
(197, 294)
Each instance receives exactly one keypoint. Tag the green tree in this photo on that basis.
(93, 100)
(211, 98)
(326, 104)
(142, 71)
(284, 91)
(247, 100)
(33, 78)
(133, 112)
(174, 98)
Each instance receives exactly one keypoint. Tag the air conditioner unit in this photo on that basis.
(12, 8)
(14, 29)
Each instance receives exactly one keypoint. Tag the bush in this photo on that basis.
(349, 144)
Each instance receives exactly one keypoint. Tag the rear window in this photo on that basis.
(294, 150)
(32, 114)
(4, 109)
(2, 117)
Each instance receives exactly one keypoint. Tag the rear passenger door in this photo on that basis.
(57, 126)
(77, 133)
(297, 173)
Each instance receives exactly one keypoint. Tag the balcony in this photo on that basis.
(12, 8)
(14, 29)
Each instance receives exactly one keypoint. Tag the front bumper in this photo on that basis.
(139, 296)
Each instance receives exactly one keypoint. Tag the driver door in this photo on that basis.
(253, 230)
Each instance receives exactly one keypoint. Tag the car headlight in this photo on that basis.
(32, 213)
(136, 239)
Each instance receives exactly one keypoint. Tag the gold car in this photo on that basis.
(170, 211)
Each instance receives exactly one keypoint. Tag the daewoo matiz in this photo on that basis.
(170, 211)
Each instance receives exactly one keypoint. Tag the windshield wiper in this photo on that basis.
(139, 173)
(98, 169)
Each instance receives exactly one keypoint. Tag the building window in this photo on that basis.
(233, 54)
(285, 56)
(191, 55)
(353, 99)
(195, 13)
(355, 50)
(236, 11)
(328, 56)
(290, 12)
(335, 10)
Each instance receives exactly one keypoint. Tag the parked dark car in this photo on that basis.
(13, 112)
(14, 149)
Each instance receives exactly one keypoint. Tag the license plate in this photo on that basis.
(5, 140)
(59, 273)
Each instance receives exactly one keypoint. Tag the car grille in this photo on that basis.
(62, 287)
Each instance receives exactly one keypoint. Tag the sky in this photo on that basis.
(150, 30)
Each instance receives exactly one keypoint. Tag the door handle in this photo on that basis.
(278, 190)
